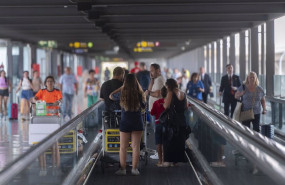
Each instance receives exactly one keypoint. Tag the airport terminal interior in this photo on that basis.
(65, 50)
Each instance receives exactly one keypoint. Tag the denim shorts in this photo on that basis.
(4, 92)
(158, 134)
(27, 94)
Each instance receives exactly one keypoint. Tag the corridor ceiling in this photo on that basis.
(123, 23)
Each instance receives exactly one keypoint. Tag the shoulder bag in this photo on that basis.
(249, 114)
(167, 116)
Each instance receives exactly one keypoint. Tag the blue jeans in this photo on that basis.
(67, 104)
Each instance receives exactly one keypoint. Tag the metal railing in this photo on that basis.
(267, 154)
(14, 168)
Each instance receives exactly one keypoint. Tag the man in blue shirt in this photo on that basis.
(67, 82)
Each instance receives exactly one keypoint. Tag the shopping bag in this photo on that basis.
(236, 115)
(41, 108)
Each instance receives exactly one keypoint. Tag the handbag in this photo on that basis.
(237, 112)
(248, 114)
(167, 116)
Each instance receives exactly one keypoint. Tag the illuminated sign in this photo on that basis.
(81, 45)
(141, 50)
(78, 51)
(145, 46)
(47, 43)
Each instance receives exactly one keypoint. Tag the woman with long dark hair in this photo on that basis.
(132, 100)
(174, 144)
(5, 89)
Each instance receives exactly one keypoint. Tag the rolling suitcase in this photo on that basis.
(13, 111)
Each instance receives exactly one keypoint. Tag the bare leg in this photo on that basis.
(159, 152)
(55, 155)
(1, 100)
(5, 105)
(136, 139)
(124, 143)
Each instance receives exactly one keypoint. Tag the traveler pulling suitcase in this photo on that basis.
(13, 111)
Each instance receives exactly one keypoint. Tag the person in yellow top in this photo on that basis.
(50, 95)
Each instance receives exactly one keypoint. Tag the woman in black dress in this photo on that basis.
(132, 100)
(174, 145)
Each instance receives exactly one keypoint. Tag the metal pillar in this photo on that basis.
(212, 60)
(242, 59)
(254, 50)
(10, 68)
(232, 51)
(218, 59)
(270, 58)
(225, 51)
(33, 54)
(207, 65)
(263, 50)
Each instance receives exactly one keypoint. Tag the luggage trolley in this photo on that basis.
(111, 140)
(45, 121)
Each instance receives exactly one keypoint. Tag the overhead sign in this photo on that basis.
(141, 50)
(47, 43)
(146, 46)
(81, 45)
(79, 51)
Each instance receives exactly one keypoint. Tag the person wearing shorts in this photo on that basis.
(156, 111)
(26, 95)
(5, 88)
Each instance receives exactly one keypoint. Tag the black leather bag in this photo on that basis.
(167, 116)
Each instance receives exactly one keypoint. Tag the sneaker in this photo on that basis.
(121, 172)
(67, 118)
(155, 156)
(43, 173)
(135, 172)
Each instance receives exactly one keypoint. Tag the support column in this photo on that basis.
(200, 56)
(242, 59)
(225, 56)
(20, 60)
(270, 58)
(207, 65)
(212, 60)
(232, 51)
(262, 50)
(33, 54)
(254, 50)
(10, 69)
(218, 59)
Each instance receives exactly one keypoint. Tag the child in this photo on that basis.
(156, 111)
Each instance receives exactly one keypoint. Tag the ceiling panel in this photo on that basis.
(108, 23)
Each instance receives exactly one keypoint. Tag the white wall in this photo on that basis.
(191, 60)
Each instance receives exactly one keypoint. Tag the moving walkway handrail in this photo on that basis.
(267, 154)
(12, 169)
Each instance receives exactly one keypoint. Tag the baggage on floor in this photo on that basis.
(13, 111)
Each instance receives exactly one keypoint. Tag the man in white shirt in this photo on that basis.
(156, 83)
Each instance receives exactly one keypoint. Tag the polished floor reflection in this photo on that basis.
(14, 134)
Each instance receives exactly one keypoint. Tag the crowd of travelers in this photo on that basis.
(154, 90)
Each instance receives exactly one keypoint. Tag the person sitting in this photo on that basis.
(156, 111)
(53, 97)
